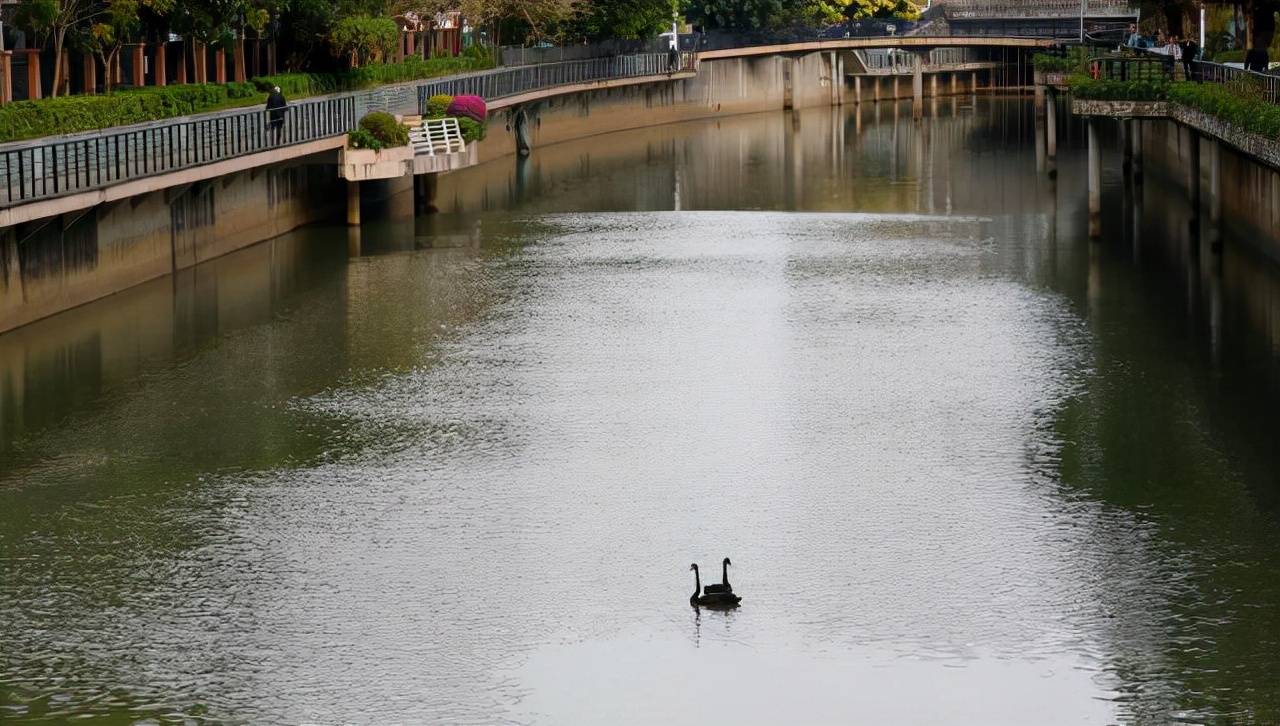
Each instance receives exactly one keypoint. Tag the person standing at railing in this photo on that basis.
(1134, 39)
(1190, 49)
(276, 109)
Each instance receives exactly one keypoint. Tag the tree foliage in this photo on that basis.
(362, 39)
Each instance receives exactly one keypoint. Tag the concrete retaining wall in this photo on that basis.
(52, 265)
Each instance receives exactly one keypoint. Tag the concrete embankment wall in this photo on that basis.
(55, 264)
(1250, 191)
(59, 263)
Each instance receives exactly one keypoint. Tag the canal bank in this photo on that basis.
(55, 263)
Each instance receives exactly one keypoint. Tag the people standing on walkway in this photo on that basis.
(276, 107)
(1190, 49)
(1134, 38)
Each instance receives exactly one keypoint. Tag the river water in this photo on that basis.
(970, 467)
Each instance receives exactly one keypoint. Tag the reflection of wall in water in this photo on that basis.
(55, 264)
(53, 367)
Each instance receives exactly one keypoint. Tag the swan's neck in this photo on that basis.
(725, 576)
(697, 585)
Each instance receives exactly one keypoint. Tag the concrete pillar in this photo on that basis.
(917, 89)
(1193, 180)
(90, 76)
(65, 82)
(161, 74)
(875, 81)
(400, 41)
(139, 53)
(1126, 149)
(1039, 92)
(955, 83)
(933, 85)
(973, 81)
(411, 43)
(895, 88)
(353, 203)
(1095, 181)
(354, 243)
(239, 61)
(1051, 127)
(857, 90)
(33, 74)
(220, 66)
(1136, 138)
(1215, 183)
(6, 76)
(180, 73)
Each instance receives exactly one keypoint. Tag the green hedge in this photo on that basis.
(72, 114)
(1240, 103)
(298, 85)
(1077, 60)
(1239, 106)
(1083, 86)
(385, 128)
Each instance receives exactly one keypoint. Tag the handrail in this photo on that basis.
(49, 168)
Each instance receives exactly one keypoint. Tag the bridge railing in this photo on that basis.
(492, 85)
(1267, 84)
(51, 168)
(977, 9)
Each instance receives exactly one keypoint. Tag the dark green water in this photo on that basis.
(970, 466)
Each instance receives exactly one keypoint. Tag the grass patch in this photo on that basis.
(1240, 103)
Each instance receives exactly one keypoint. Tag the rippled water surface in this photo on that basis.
(970, 467)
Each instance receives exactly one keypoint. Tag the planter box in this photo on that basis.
(366, 164)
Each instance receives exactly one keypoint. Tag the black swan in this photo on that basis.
(713, 599)
(724, 585)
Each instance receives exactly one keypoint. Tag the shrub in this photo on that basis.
(1100, 90)
(472, 130)
(72, 114)
(438, 104)
(1229, 56)
(1076, 60)
(480, 55)
(1246, 109)
(385, 128)
(363, 139)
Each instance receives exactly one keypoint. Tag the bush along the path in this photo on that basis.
(385, 128)
(439, 106)
(1240, 103)
(73, 114)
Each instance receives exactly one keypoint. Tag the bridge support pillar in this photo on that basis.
(917, 89)
(353, 203)
(895, 88)
(1051, 128)
(933, 85)
(857, 90)
(1135, 138)
(955, 83)
(973, 81)
(1215, 194)
(1095, 181)
(1193, 180)
(1039, 92)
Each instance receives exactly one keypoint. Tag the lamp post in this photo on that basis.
(1083, 5)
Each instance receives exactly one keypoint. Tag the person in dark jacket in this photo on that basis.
(1190, 49)
(276, 107)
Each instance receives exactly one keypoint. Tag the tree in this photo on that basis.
(630, 19)
(54, 19)
(362, 39)
(539, 15)
(882, 9)
(117, 21)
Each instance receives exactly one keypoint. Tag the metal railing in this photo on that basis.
(1268, 84)
(437, 136)
(892, 60)
(965, 9)
(505, 82)
(47, 168)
